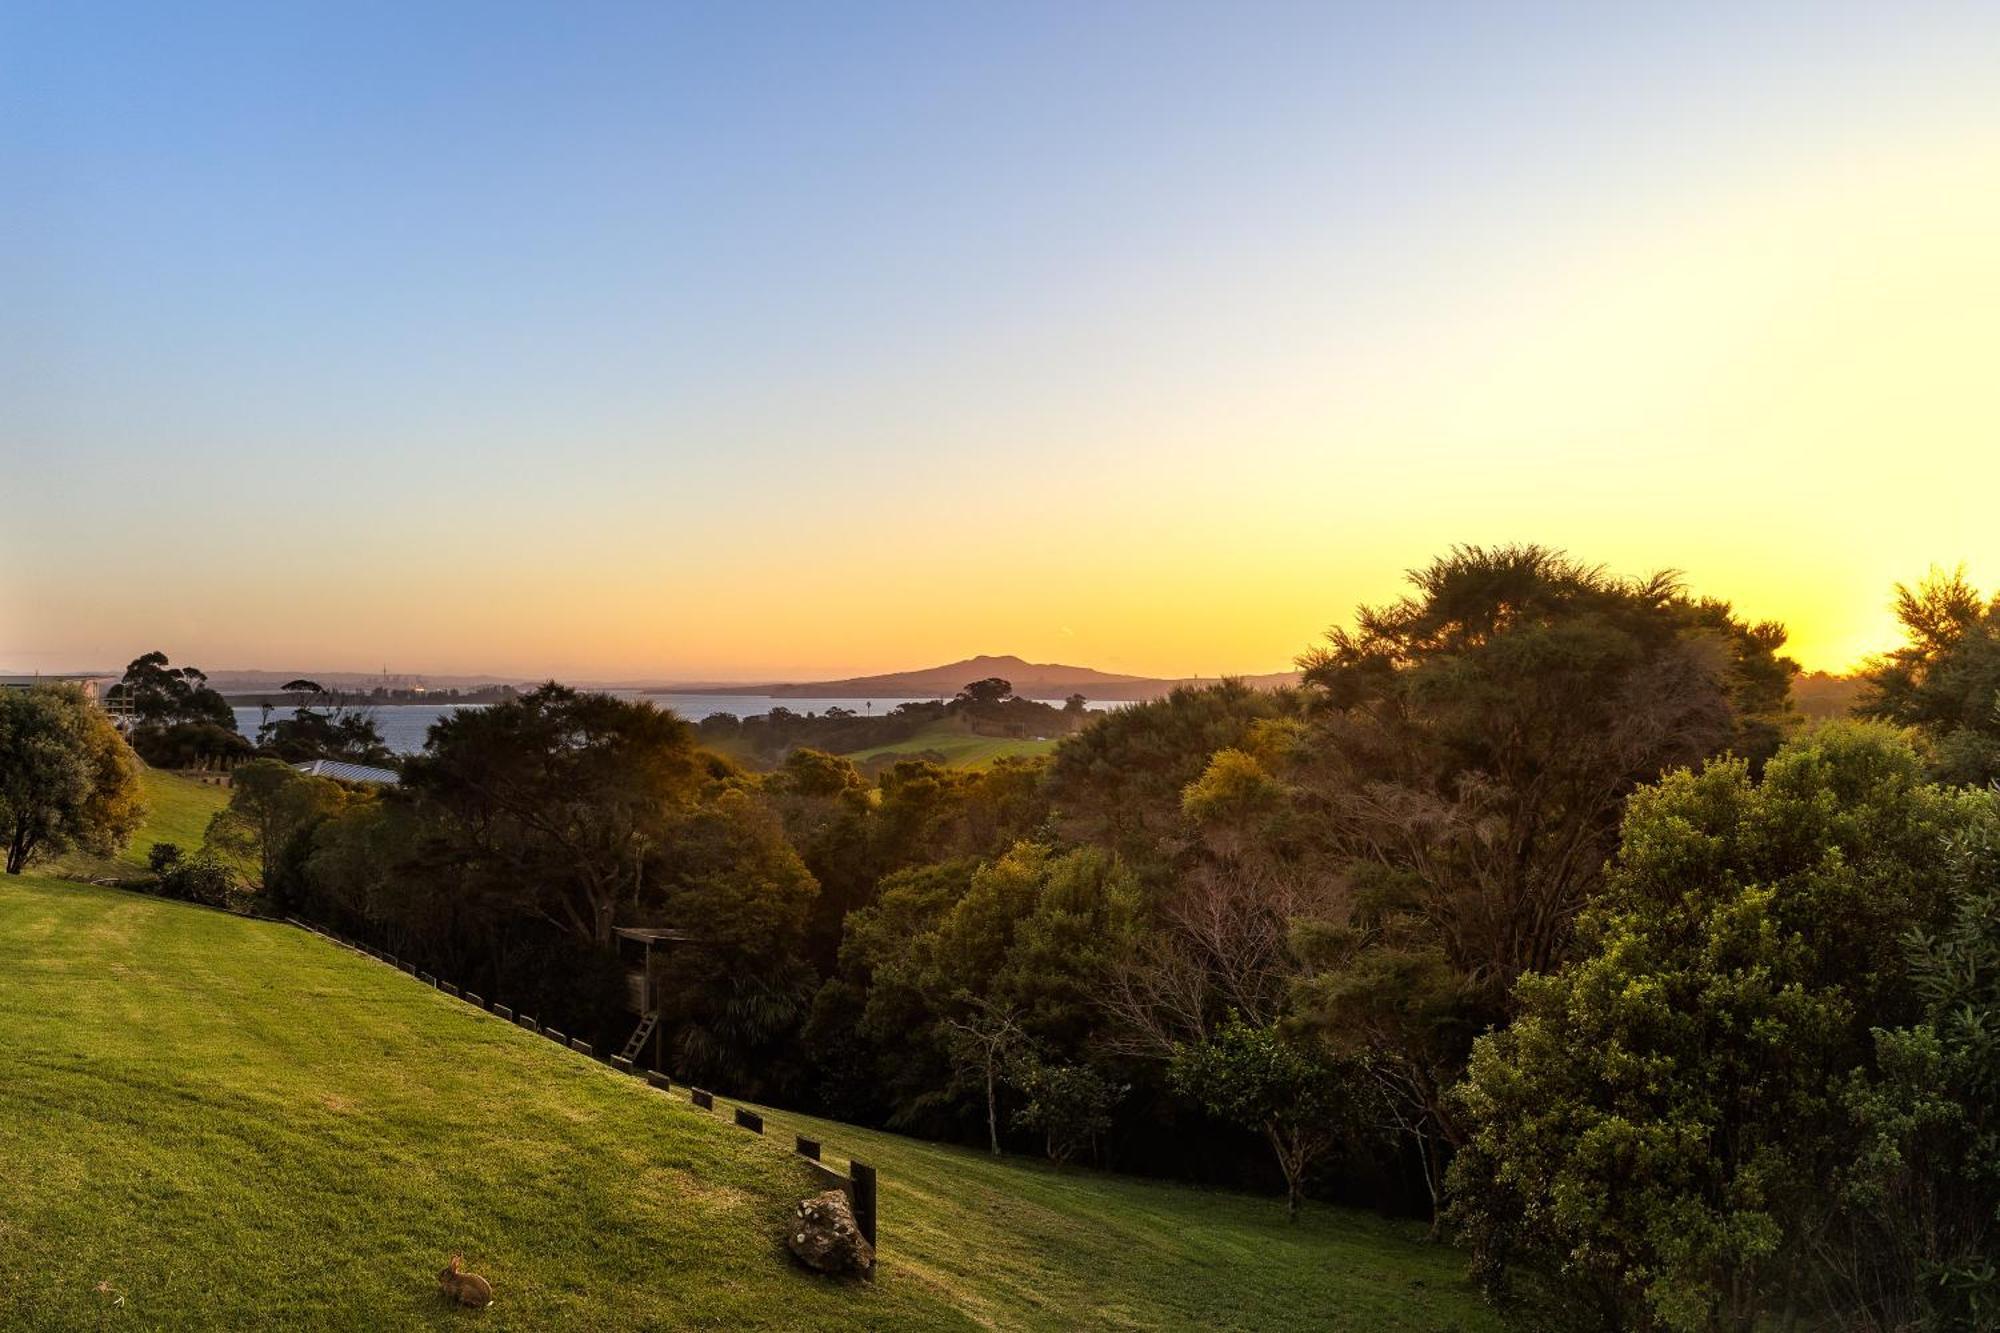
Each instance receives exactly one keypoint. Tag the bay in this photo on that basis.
(404, 726)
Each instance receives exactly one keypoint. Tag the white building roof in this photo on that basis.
(334, 768)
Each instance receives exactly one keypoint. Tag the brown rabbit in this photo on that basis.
(465, 1288)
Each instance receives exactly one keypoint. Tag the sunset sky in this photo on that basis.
(745, 341)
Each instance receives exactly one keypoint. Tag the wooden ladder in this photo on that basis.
(640, 1033)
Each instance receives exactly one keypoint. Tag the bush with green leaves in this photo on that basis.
(1305, 1104)
(1925, 1188)
(1070, 1105)
(201, 878)
(1668, 1136)
(67, 780)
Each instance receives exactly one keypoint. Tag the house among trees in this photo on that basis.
(87, 682)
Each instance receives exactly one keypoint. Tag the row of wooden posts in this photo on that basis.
(858, 1183)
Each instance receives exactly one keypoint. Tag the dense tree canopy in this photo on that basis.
(160, 694)
(1661, 1133)
(561, 797)
(323, 726)
(1946, 679)
(953, 959)
(1119, 782)
(727, 877)
(66, 777)
(270, 803)
(1467, 759)
(179, 722)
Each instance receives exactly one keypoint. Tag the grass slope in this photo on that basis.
(177, 810)
(1017, 1242)
(232, 1124)
(959, 747)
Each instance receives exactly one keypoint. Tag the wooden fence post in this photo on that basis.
(862, 1178)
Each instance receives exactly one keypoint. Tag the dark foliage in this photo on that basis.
(1946, 680)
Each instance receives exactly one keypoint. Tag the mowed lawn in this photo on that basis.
(960, 748)
(177, 810)
(211, 1122)
(1020, 1243)
(214, 1122)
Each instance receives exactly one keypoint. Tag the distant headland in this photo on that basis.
(1031, 680)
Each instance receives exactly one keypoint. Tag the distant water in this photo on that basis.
(404, 726)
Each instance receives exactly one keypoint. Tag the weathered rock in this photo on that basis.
(825, 1239)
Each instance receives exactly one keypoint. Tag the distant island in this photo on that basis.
(1031, 680)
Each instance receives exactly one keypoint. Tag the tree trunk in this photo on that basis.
(1292, 1162)
(992, 1111)
(1433, 1169)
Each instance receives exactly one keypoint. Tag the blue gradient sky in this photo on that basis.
(750, 340)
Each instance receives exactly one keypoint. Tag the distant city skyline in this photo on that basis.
(611, 341)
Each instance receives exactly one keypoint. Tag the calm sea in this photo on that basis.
(404, 726)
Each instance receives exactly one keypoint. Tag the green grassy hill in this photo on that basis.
(177, 810)
(958, 746)
(210, 1122)
(1017, 1242)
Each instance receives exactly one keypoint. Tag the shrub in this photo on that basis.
(200, 878)
(1070, 1104)
(1673, 1132)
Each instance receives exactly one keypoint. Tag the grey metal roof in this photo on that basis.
(334, 768)
(653, 934)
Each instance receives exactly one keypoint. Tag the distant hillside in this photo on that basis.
(1033, 680)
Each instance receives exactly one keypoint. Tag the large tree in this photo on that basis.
(323, 725)
(179, 721)
(960, 966)
(67, 779)
(560, 799)
(269, 803)
(1946, 679)
(724, 874)
(161, 694)
(1469, 754)
(1119, 781)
